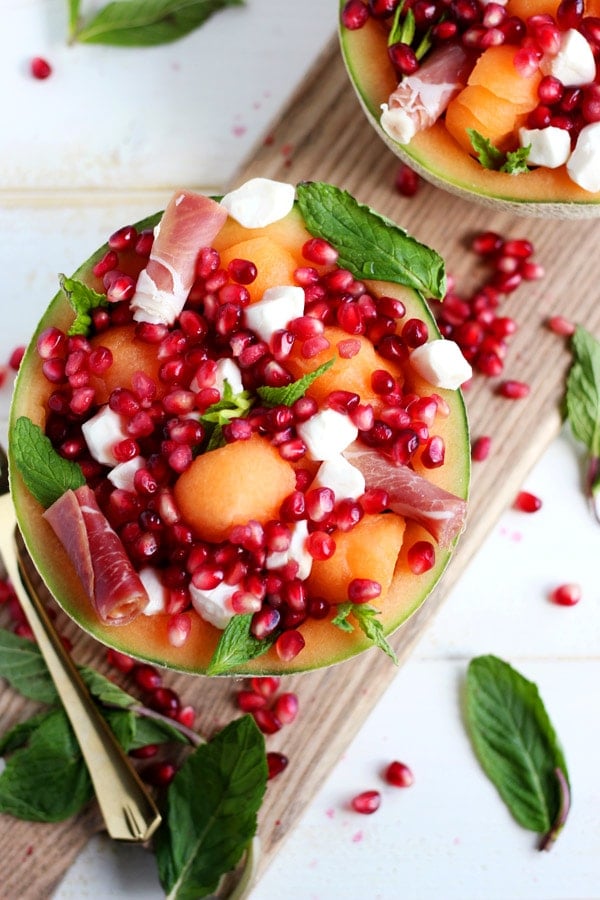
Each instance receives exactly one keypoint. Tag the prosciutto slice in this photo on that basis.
(98, 556)
(420, 99)
(189, 223)
(441, 513)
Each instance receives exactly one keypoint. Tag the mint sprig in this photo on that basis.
(583, 406)
(369, 245)
(237, 646)
(83, 299)
(514, 162)
(46, 474)
(517, 746)
(288, 394)
(143, 23)
(367, 619)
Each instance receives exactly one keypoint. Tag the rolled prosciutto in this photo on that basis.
(441, 513)
(189, 223)
(98, 555)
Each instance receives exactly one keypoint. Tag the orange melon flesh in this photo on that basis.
(495, 70)
(476, 107)
(231, 485)
(526, 8)
(370, 550)
(130, 355)
(146, 637)
(275, 264)
(437, 156)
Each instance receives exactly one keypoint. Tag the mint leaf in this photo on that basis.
(516, 161)
(366, 619)
(583, 390)
(22, 665)
(230, 406)
(488, 155)
(74, 7)
(369, 245)
(516, 744)
(46, 474)
(211, 811)
(19, 734)
(46, 780)
(288, 394)
(146, 23)
(237, 646)
(83, 299)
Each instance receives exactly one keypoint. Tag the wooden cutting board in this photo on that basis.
(322, 135)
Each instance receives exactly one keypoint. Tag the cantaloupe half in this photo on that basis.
(437, 156)
(146, 637)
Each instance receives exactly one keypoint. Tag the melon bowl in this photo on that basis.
(146, 637)
(435, 155)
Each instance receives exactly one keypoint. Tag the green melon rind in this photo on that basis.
(433, 171)
(349, 646)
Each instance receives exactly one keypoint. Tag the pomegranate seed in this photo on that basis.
(250, 701)
(481, 448)
(407, 181)
(399, 774)
(487, 243)
(421, 557)
(164, 700)
(144, 243)
(320, 252)
(527, 502)
(566, 594)
(159, 774)
(123, 239)
(415, 332)
(242, 271)
(366, 803)
(286, 707)
(267, 721)
(40, 68)
(187, 716)
(276, 762)
(145, 752)
(267, 685)
(561, 326)
(120, 661)
(14, 360)
(146, 676)
(264, 622)
(403, 58)
(362, 590)
(179, 627)
(320, 545)
(514, 390)
(569, 13)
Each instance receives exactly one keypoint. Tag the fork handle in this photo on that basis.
(129, 811)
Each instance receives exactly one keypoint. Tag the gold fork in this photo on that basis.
(129, 811)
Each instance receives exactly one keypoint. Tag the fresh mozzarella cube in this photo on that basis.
(101, 433)
(574, 63)
(549, 147)
(259, 202)
(327, 434)
(157, 592)
(397, 124)
(227, 371)
(277, 306)
(123, 474)
(296, 552)
(583, 164)
(344, 479)
(441, 363)
(214, 605)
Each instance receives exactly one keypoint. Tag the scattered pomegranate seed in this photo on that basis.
(566, 594)
(527, 502)
(249, 701)
(40, 68)
(146, 676)
(267, 685)
(366, 803)
(481, 448)
(276, 763)
(267, 721)
(407, 182)
(561, 326)
(514, 390)
(399, 774)
(14, 360)
(159, 774)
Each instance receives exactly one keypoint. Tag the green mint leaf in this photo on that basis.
(488, 155)
(287, 395)
(46, 474)
(147, 23)
(396, 34)
(237, 646)
(370, 625)
(46, 780)
(19, 734)
(104, 690)
(583, 390)
(340, 620)
(211, 811)
(369, 245)
(83, 299)
(230, 406)
(516, 161)
(73, 7)
(515, 742)
(22, 665)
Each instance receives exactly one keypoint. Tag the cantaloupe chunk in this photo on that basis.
(370, 550)
(346, 374)
(476, 107)
(526, 8)
(275, 265)
(231, 485)
(288, 232)
(495, 70)
(592, 8)
(130, 355)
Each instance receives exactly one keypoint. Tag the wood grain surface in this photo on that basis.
(322, 136)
